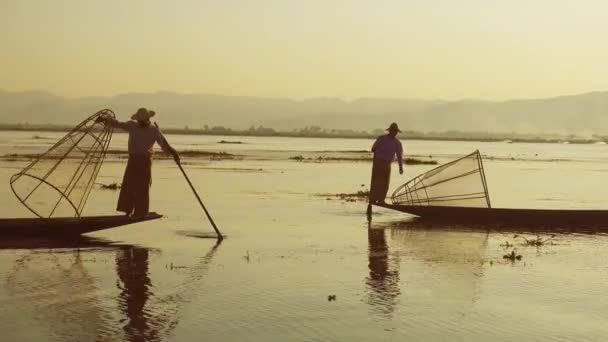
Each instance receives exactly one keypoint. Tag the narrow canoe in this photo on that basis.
(66, 226)
(532, 217)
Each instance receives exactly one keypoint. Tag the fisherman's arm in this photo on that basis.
(400, 157)
(162, 142)
(110, 121)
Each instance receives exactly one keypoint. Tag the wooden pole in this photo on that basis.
(217, 231)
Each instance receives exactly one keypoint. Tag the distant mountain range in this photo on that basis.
(584, 114)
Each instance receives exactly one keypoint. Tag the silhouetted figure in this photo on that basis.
(385, 148)
(134, 198)
(383, 283)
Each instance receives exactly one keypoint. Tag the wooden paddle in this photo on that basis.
(179, 164)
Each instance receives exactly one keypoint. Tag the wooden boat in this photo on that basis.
(66, 226)
(508, 216)
(457, 193)
(59, 181)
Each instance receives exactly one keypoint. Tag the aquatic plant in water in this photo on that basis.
(537, 242)
(512, 256)
(111, 186)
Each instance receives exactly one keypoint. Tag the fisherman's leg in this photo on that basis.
(142, 201)
(384, 181)
(373, 187)
(142, 194)
(127, 190)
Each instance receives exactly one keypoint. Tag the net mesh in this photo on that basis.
(59, 181)
(459, 183)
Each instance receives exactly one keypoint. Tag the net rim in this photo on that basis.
(420, 177)
(24, 172)
(16, 176)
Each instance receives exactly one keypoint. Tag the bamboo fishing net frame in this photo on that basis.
(426, 189)
(77, 158)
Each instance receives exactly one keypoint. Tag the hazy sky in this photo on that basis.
(492, 49)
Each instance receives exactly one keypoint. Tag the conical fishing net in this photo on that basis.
(459, 183)
(59, 181)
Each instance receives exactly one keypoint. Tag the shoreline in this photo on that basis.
(407, 135)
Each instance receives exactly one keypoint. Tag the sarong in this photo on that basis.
(381, 176)
(134, 195)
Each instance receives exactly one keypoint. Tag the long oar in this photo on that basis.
(179, 164)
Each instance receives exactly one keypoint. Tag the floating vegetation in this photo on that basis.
(537, 242)
(297, 158)
(124, 154)
(172, 267)
(512, 256)
(111, 186)
(229, 142)
(247, 257)
(331, 298)
(199, 154)
(319, 159)
(507, 244)
(361, 195)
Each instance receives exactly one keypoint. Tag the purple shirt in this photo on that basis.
(141, 139)
(386, 147)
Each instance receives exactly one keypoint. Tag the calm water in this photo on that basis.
(288, 249)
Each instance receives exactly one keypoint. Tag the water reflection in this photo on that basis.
(132, 270)
(150, 316)
(73, 243)
(566, 227)
(53, 294)
(444, 269)
(383, 279)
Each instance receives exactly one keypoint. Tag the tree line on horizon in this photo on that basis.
(320, 132)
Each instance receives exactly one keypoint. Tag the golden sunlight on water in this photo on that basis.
(289, 251)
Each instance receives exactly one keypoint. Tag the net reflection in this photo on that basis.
(51, 293)
(93, 290)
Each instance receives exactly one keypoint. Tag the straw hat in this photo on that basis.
(393, 127)
(143, 114)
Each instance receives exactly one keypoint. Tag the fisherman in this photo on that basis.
(134, 198)
(385, 148)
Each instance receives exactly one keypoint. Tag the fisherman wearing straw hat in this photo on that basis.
(385, 148)
(134, 198)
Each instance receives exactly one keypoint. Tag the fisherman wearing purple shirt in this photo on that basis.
(134, 197)
(385, 148)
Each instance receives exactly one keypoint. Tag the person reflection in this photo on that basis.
(383, 280)
(132, 269)
(150, 317)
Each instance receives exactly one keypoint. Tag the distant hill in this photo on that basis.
(577, 114)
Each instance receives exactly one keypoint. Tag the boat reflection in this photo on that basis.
(51, 292)
(37, 243)
(414, 268)
(504, 227)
